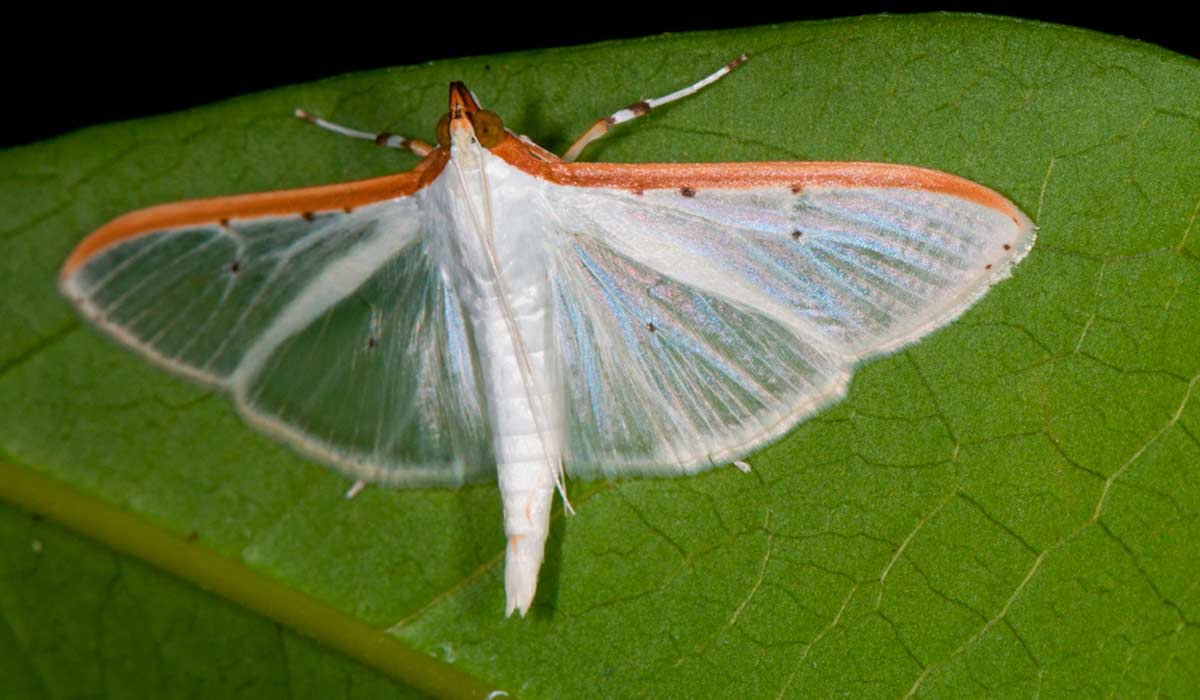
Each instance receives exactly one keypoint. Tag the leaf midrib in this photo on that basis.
(232, 580)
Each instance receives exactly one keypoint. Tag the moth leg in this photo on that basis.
(383, 138)
(637, 109)
(355, 489)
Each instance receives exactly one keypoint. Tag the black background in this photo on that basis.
(91, 70)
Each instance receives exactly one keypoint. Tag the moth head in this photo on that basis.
(467, 122)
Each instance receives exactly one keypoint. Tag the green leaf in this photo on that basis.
(81, 622)
(1008, 507)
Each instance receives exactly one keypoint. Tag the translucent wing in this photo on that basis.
(333, 330)
(698, 324)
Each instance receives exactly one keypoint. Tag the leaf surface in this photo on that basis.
(1008, 507)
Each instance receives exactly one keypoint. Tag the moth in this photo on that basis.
(500, 312)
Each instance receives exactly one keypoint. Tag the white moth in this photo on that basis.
(499, 312)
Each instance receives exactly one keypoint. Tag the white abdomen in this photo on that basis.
(526, 438)
(501, 271)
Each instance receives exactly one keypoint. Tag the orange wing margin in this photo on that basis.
(344, 195)
(795, 175)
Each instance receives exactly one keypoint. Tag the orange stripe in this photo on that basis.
(249, 206)
(796, 175)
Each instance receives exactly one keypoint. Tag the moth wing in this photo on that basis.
(333, 330)
(699, 324)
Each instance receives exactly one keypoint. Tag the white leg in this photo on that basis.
(637, 109)
(743, 467)
(383, 138)
(355, 489)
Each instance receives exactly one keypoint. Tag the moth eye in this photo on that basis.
(489, 128)
(443, 130)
